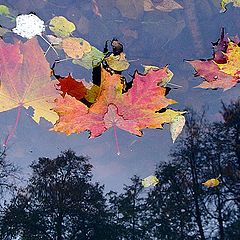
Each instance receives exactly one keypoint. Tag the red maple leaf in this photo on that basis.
(68, 85)
(214, 77)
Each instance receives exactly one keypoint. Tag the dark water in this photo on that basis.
(151, 38)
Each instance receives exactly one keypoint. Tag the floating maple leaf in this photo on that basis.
(221, 71)
(131, 111)
(25, 80)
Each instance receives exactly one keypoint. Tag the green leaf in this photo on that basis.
(3, 31)
(61, 26)
(90, 59)
(4, 10)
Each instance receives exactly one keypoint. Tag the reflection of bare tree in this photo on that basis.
(189, 6)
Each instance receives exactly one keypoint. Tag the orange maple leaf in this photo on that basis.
(131, 111)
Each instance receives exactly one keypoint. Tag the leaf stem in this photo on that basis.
(173, 84)
(15, 125)
(116, 139)
(50, 45)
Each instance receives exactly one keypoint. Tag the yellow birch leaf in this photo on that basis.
(117, 62)
(75, 47)
(61, 26)
(213, 182)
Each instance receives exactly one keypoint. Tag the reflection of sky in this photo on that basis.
(154, 38)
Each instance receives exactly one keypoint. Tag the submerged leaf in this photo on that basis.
(164, 5)
(61, 26)
(150, 181)
(130, 8)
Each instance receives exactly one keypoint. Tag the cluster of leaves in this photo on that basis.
(132, 9)
(80, 106)
(131, 110)
(113, 102)
(222, 70)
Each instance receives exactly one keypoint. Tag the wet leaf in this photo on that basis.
(92, 93)
(147, 68)
(54, 40)
(131, 111)
(150, 181)
(61, 26)
(176, 126)
(236, 3)
(75, 47)
(164, 5)
(232, 66)
(130, 8)
(117, 62)
(4, 10)
(90, 59)
(28, 26)
(165, 80)
(222, 70)
(214, 77)
(3, 31)
(68, 85)
(25, 79)
(213, 182)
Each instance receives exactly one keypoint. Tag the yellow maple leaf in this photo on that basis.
(232, 67)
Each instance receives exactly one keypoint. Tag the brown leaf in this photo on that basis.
(130, 8)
